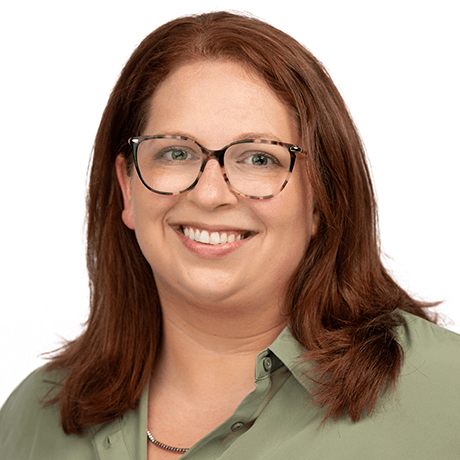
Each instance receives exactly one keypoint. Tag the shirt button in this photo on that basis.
(107, 442)
(237, 426)
(267, 364)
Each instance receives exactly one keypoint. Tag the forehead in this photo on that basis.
(215, 100)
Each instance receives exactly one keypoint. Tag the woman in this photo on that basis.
(232, 234)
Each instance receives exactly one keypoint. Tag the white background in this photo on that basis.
(395, 62)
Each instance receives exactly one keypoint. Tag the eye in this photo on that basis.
(259, 159)
(175, 154)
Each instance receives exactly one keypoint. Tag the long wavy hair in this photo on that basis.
(341, 302)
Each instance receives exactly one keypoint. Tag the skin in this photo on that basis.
(221, 304)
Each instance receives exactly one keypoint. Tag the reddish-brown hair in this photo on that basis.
(341, 302)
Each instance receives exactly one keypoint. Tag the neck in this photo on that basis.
(206, 365)
(222, 345)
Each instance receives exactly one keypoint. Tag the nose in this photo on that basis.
(212, 190)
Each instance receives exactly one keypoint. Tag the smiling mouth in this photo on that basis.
(205, 237)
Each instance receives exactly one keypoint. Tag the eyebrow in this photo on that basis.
(241, 137)
(268, 136)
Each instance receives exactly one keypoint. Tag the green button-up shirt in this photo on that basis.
(421, 420)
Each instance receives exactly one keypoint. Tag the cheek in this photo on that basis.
(149, 217)
(149, 206)
(287, 237)
(289, 213)
(289, 222)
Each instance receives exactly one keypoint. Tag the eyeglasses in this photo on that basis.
(254, 168)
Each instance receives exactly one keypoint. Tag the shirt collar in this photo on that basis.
(293, 356)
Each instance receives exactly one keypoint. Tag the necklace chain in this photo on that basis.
(164, 446)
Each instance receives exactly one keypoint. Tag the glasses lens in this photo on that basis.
(257, 169)
(168, 165)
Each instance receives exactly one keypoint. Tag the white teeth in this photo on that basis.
(204, 237)
(215, 238)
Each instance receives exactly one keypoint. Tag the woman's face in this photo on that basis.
(216, 103)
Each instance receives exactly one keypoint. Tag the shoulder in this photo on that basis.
(429, 383)
(25, 403)
(427, 345)
(28, 430)
(418, 418)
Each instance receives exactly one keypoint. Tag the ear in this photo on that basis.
(126, 189)
(315, 220)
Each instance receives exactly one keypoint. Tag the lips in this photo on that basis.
(214, 237)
